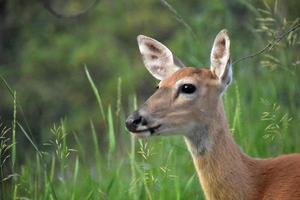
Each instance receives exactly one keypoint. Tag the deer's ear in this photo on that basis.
(157, 58)
(220, 58)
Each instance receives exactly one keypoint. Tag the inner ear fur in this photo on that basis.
(220, 57)
(158, 59)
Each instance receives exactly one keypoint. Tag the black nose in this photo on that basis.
(134, 120)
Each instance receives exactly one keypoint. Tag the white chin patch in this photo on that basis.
(142, 134)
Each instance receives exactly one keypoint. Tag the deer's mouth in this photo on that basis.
(147, 131)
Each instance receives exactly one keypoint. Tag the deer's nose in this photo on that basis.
(134, 121)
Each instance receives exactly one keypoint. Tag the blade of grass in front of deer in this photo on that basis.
(132, 154)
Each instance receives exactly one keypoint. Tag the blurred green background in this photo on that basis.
(43, 59)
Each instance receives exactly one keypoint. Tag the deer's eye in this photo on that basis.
(187, 88)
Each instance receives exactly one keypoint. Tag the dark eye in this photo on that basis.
(188, 88)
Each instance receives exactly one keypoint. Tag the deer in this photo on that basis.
(188, 102)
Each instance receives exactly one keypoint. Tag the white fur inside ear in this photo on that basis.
(220, 55)
(157, 58)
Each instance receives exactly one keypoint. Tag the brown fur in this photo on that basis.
(199, 74)
(225, 172)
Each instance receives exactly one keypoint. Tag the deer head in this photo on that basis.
(187, 97)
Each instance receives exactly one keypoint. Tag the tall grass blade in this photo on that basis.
(16, 104)
(132, 156)
(237, 114)
(177, 188)
(96, 92)
(52, 170)
(80, 148)
(179, 18)
(37, 178)
(111, 132)
(7, 86)
(189, 183)
(90, 195)
(119, 97)
(110, 185)
(30, 140)
(96, 147)
(75, 174)
(53, 193)
(14, 150)
(15, 192)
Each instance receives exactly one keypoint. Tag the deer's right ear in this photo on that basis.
(220, 58)
(157, 58)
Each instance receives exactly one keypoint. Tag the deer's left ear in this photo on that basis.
(220, 58)
(158, 59)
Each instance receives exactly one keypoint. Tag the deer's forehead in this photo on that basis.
(187, 73)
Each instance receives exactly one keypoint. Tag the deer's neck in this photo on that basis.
(223, 170)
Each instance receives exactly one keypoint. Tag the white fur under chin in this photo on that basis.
(142, 134)
(198, 141)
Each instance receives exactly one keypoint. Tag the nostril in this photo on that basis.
(144, 122)
(137, 121)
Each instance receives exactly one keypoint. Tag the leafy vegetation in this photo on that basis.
(67, 86)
